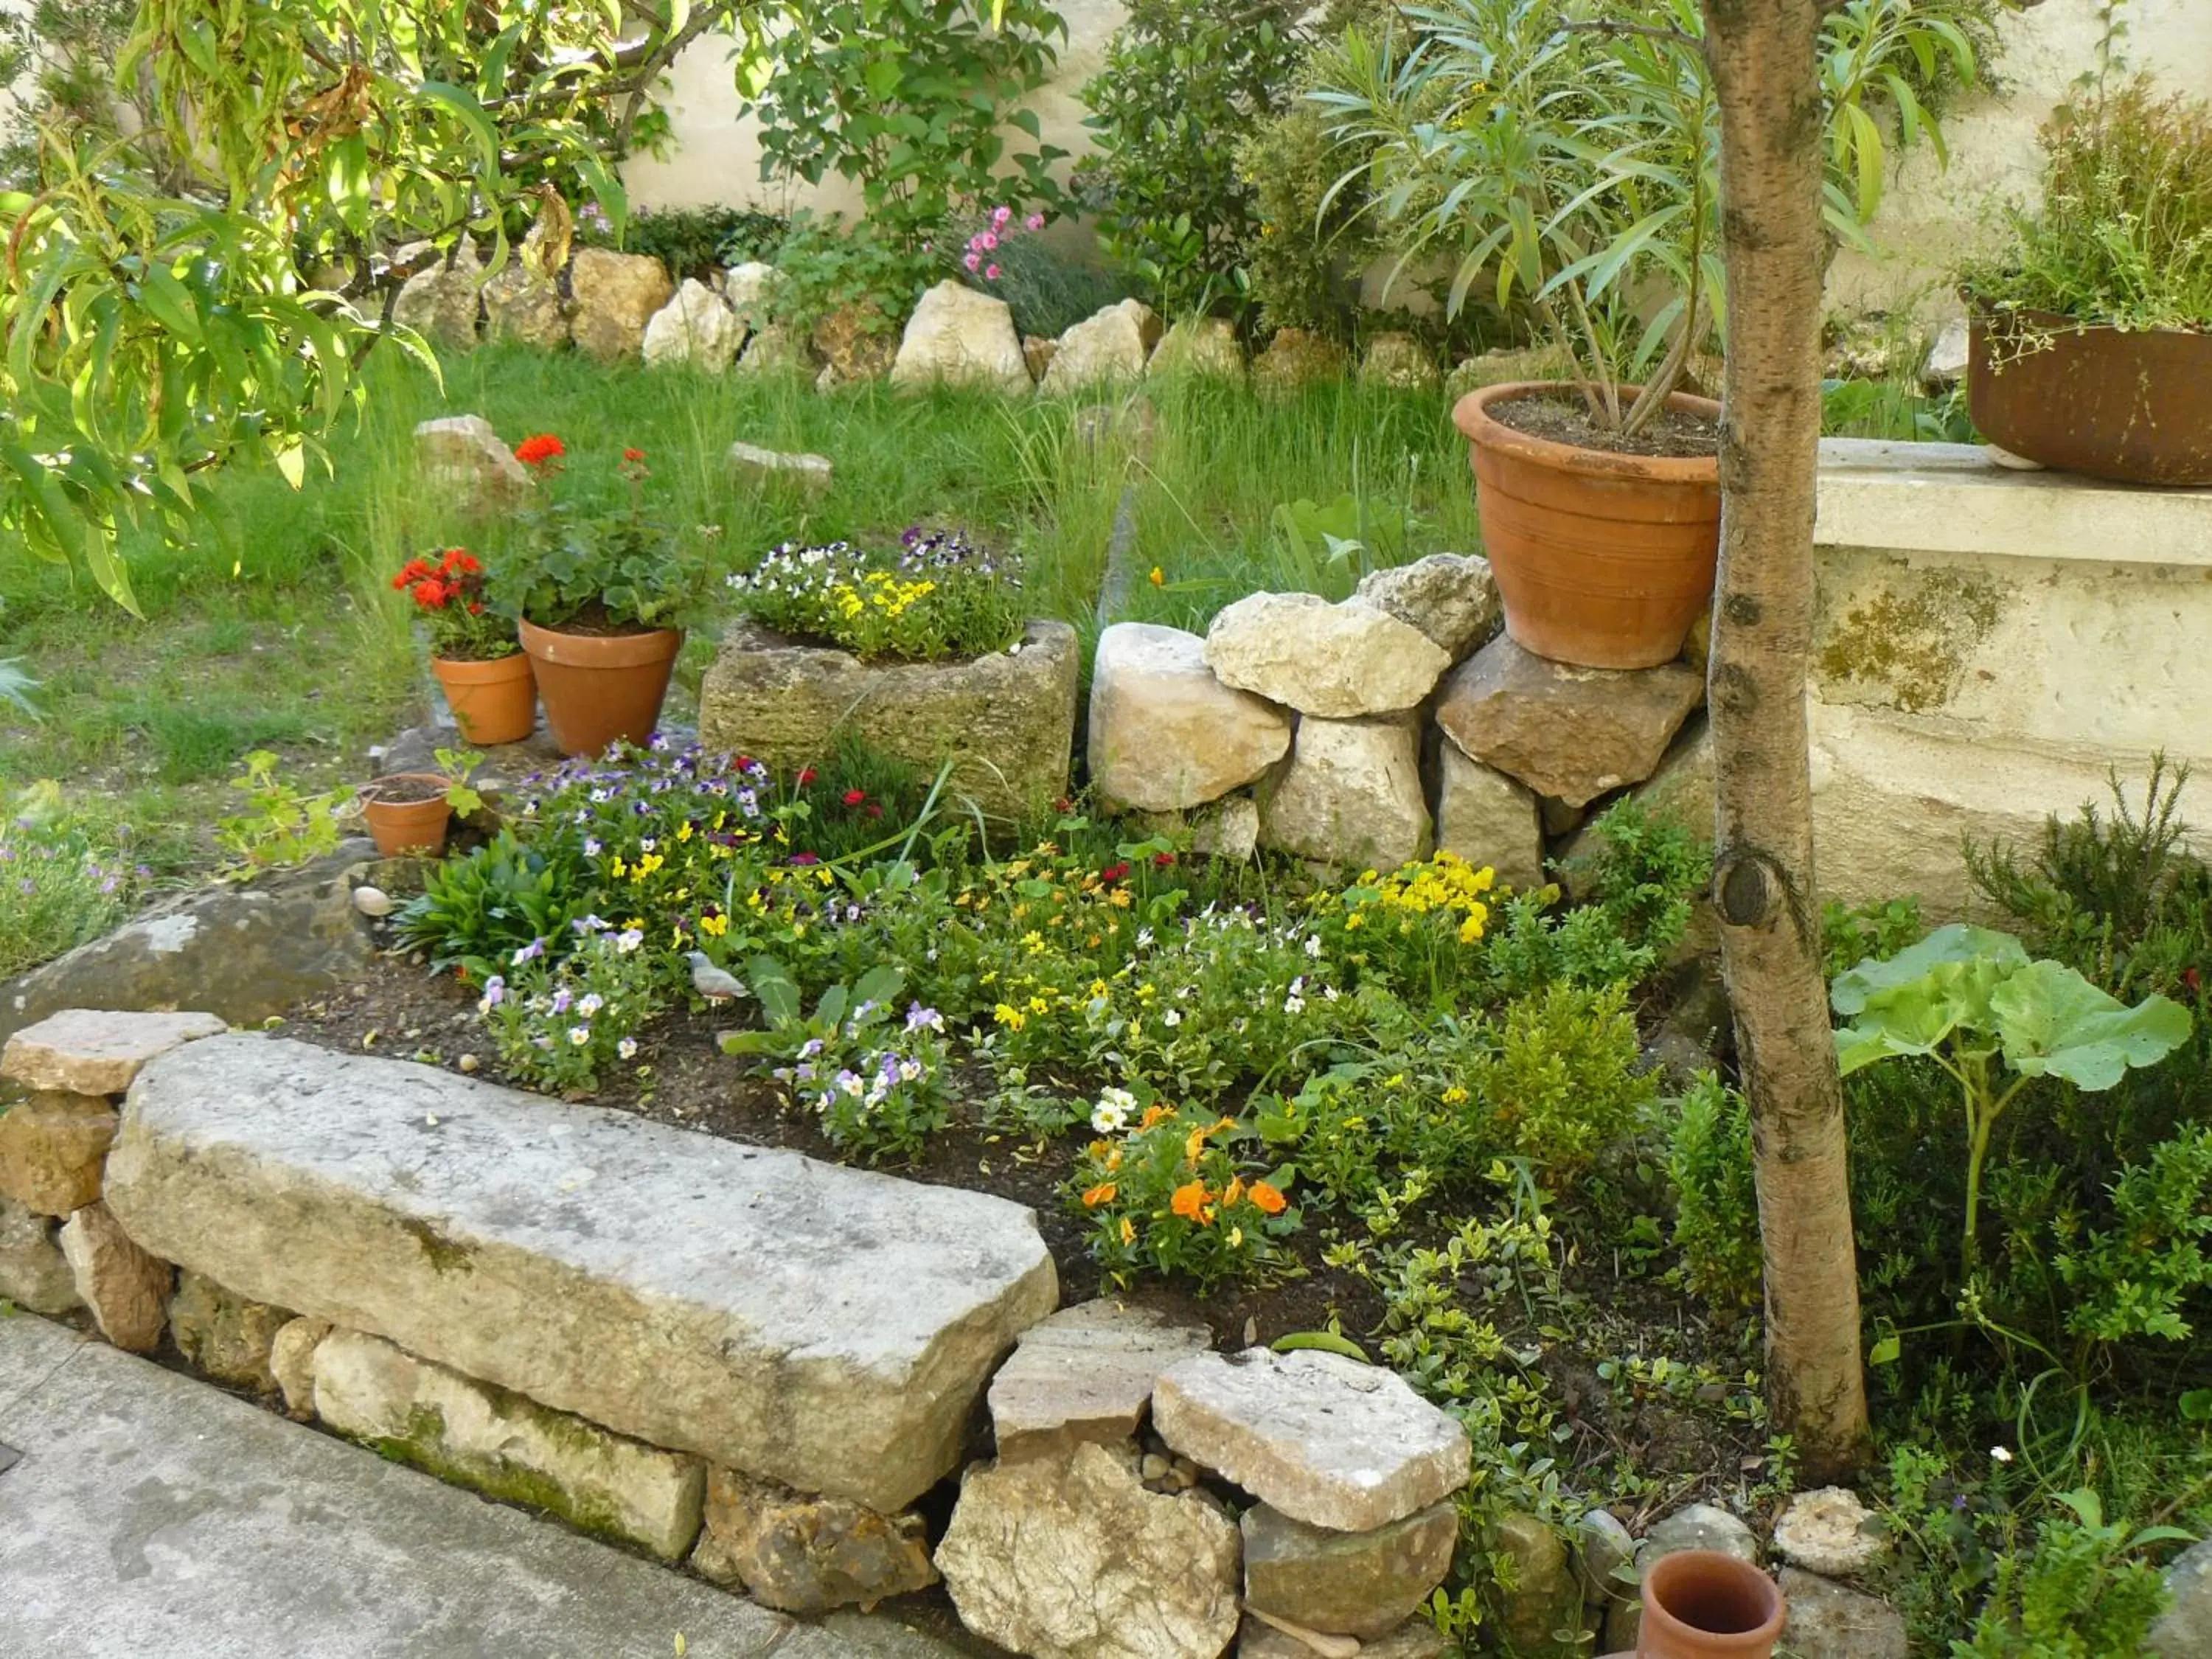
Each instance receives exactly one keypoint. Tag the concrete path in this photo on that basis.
(156, 1516)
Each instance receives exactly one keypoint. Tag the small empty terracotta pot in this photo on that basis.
(1701, 1604)
(407, 813)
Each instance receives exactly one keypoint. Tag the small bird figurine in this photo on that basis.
(712, 983)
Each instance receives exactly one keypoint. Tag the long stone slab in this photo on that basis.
(830, 1328)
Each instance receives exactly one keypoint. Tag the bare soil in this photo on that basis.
(1671, 434)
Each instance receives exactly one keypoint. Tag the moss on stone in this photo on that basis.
(421, 1442)
(1912, 641)
(446, 1255)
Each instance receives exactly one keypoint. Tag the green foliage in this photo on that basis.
(2085, 1592)
(1305, 230)
(1180, 80)
(1049, 290)
(2123, 236)
(1650, 870)
(1565, 1079)
(1709, 1160)
(477, 912)
(1873, 932)
(940, 599)
(824, 264)
(692, 241)
(1180, 1193)
(2134, 1278)
(558, 1023)
(64, 878)
(277, 824)
(568, 560)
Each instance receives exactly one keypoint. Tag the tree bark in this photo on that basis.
(1763, 55)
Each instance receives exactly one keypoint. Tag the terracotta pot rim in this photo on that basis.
(369, 797)
(599, 650)
(482, 667)
(1472, 416)
(1760, 1640)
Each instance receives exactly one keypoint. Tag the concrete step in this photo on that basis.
(830, 1328)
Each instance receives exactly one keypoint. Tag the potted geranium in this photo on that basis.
(600, 590)
(2091, 333)
(480, 665)
(1570, 166)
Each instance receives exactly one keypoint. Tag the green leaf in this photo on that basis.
(772, 983)
(2054, 1023)
(1885, 1352)
(1873, 981)
(1324, 1342)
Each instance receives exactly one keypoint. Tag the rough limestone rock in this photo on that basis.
(53, 1146)
(1830, 1532)
(1351, 1583)
(1086, 1374)
(1229, 829)
(1200, 346)
(1546, 1598)
(92, 1051)
(1006, 720)
(126, 1288)
(1605, 1558)
(292, 1363)
(1417, 1639)
(959, 335)
(1070, 1557)
(2183, 1631)
(502, 1444)
(1450, 597)
(1324, 1439)
(1508, 363)
(750, 289)
(1399, 361)
(1339, 662)
(1038, 352)
(615, 295)
(1681, 790)
(1698, 1527)
(828, 1328)
(1165, 734)
(856, 342)
(1828, 1621)
(439, 302)
(696, 327)
(1294, 360)
(461, 455)
(1947, 357)
(524, 307)
(750, 464)
(1486, 818)
(239, 951)
(807, 1555)
(1571, 733)
(776, 349)
(1352, 795)
(1109, 348)
(34, 1272)
(229, 1337)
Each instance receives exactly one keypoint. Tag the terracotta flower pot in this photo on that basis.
(599, 687)
(407, 813)
(494, 700)
(2132, 405)
(1601, 559)
(1701, 1604)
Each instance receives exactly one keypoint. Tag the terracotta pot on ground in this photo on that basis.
(407, 813)
(493, 698)
(599, 687)
(1701, 1604)
(2132, 405)
(1601, 559)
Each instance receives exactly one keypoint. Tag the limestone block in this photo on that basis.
(1352, 1583)
(53, 1147)
(750, 288)
(828, 1328)
(1109, 348)
(694, 327)
(460, 454)
(1324, 1439)
(126, 1288)
(1038, 354)
(1165, 734)
(1339, 662)
(1545, 1599)
(229, 1337)
(1200, 346)
(1698, 1527)
(508, 1447)
(1352, 795)
(34, 1272)
(1487, 818)
(1828, 1621)
(1830, 1532)
(1086, 1374)
(1006, 720)
(292, 1363)
(856, 342)
(2183, 1631)
(802, 1554)
(750, 464)
(957, 335)
(1450, 597)
(1417, 1639)
(90, 1051)
(1294, 360)
(1070, 1557)
(1605, 1558)
(1508, 363)
(524, 307)
(1229, 831)
(1567, 732)
(440, 303)
(776, 349)
(1399, 361)
(615, 295)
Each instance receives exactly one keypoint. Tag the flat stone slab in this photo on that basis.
(89, 1051)
(827, 1327)
(1324, 1439)
(1086, 1374)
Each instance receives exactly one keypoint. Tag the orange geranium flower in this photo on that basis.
(1270, 1200)
(1102, 1194)
(1190, 1201)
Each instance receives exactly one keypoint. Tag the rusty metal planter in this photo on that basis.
(2131, 406)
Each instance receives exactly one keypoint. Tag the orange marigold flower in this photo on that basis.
(1193, 1144)
(1102, 1194)
(1190, 1201)
(1269, 1200)
(539, 449)
(1234, 1191)
(1155, 1114)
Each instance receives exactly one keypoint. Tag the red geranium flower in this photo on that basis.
(633, 455)
(1113, 872)
(855, 797)
(431, 593)
(805, 776)
(539, 450)
(1162, 860)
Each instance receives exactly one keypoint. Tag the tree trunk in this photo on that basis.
(1763, 55)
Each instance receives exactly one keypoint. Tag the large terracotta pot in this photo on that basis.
(1601, 559)
(493, 701)
(2134, 405)
(407, 813)
(599, 687)
(1701, 1604)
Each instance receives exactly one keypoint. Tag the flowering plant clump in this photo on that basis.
(980, 257)
(1170, 1189)
(60, 883)
(601, 564)
(449, 594)
(1420, 927)
(940, 598)
(558, 1025)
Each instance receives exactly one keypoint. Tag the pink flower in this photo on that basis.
(1035, 221)
(972, 261)
(989, 240)
(975, 243)
(1000, 215)
(991, 273)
